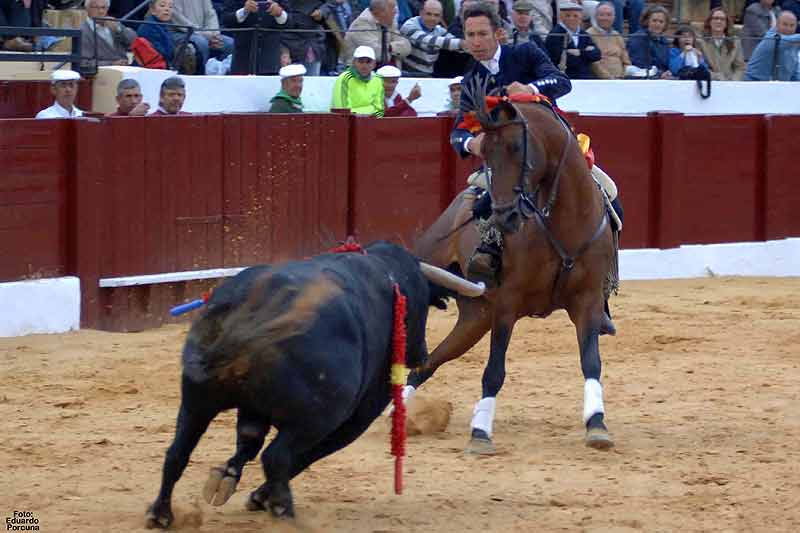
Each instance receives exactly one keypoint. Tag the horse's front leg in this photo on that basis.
(588, 319)
(493, 377)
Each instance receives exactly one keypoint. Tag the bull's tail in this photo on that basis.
(252, 332)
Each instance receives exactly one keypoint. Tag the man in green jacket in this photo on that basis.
(288, 98)
(357, 89)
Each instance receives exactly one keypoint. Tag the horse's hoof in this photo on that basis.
(598, 439)
(480, 444)
(220, 486)
(155, 520)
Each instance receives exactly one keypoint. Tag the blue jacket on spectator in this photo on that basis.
(676, 61)
(761, 63)
(159, 37)
(646, 51)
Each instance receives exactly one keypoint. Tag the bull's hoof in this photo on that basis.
(220, 486)
(480, 444)
(158, 517)
(255, 503)
(282, 510)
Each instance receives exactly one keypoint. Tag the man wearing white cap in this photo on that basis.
(288, 98)
(65, 89)
(454, 103)
(395, 105)
(357, 89)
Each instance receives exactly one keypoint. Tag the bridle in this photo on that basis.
(525, 202)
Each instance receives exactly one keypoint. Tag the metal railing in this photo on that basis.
(74, 58)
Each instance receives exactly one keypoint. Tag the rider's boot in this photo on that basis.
(607, 326)
(485, 264)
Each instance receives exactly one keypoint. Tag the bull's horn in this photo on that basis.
(451, 281)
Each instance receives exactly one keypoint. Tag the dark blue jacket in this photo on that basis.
(159, 37)
(578, 67)
(525, 63)
(647, 51)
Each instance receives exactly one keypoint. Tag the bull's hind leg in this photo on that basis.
(193, 420)
(250, 434)
(587, 317)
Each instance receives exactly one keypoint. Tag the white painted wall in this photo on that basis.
(40, 306)
(218, 94)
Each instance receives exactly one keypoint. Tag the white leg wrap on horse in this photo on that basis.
(408, 392)
(592, 399)
(483, 415)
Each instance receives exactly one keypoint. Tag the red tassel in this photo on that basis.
(398, 364)
(349, 245)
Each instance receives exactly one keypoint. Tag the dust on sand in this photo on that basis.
(701, 391)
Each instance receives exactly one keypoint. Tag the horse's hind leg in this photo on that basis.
(251, 431)
(587, 316)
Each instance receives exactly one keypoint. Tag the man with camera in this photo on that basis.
(255, 51)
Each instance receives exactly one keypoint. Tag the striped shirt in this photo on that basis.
(425, 46)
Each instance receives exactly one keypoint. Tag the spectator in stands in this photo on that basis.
(158, 36)
(723, 51)
(543, 16)
(759, 17)
(129, 100)
(256, 52)
(649, 48)
(614, 58)
(16, 13)
(454, 102)
(685, 54)
(307, 46)
(523, 27)
(356, 88)
(570, 48)
(171, 97)
(634, 14)
(64, 87)
(367, 29)
(427, 38)
(765, 64)
(113, 39)
(394, 104)
(200, 14)
(452, 64)
(288, 98)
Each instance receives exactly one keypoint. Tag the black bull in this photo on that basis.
(305, 347)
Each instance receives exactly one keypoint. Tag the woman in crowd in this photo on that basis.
(685, 54)
(723, 51)
(648, 47)
(614, 56)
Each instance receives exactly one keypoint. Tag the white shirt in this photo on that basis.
(575, 37)
(493, 64)
(56, 111)
(242, 14)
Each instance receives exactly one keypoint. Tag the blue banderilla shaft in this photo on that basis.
(185, 308)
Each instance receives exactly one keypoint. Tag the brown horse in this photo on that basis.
(557, 253)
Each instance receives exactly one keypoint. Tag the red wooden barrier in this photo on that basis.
(134, 196)
(35, 169)
(23, 98)
(395, 176)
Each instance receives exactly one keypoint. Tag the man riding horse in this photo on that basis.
(546, 243)
(522, 69)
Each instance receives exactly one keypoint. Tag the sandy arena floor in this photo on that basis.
(702, 390)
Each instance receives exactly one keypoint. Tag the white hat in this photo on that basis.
(388, 71)
(65, 75)
(364, 51)
(289, 71)
(569, 5)
(456, 81)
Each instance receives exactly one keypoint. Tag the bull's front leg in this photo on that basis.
(251, 431)
(588, 320)
(190, 427)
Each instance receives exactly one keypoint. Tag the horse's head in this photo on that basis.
(515, 160)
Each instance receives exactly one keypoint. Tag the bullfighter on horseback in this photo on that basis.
(522, 69)
(543, 237)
